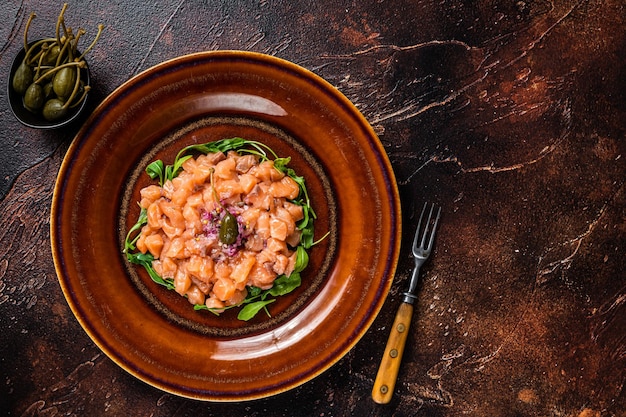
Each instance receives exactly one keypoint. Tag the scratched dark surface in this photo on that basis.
(510, 114)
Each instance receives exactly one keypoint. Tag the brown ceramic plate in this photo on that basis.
(155, 334)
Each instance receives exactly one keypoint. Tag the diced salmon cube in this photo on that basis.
(173, 212)
(250, 216)
(266, 256)
(242, 269)
(182, 282)
(191, 164)
(195, 246)
(203, 286)
(247, 182)
(202, 173)
(183, 188)
(227, 189)
(295, 210)
(168, 189)
(255, 243)
(141, 242)
(291, 265)
(225, 169)
(245, 162)
(195, 200)
(259, 197)
(238, 297)
(222, 270)
(211, 159)
(293, 239)
(173, 222)
(169, 267)
(285, 216)
(150, 194)
(194, 264)
(278, 229)
(171, 231)
(195, 295)
(192, 218)
(155, 214)
(276, 245)
(156, 265)
(267, 172)
(261, 276)
(176, 248)
(213, 303)
(154, 244)
(209, 197)
(280, 265)
(224, 289)
(285, 188)
(201, 267)
(263, 225)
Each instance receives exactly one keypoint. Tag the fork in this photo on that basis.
(385, 381)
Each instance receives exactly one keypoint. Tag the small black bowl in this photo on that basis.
(37, 121)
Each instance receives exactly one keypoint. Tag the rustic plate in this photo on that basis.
(153, 333)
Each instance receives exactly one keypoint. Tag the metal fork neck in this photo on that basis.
(409, 295)
(409, 298)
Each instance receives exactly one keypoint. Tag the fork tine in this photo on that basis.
(434, 229)
(430, 216)
(417, 230)
(426, 234)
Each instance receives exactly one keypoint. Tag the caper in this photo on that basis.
(63, 83)
(50, 57)
(54, 110)
(48, 92)
(22, 78)
(229, 229)
(34, 97)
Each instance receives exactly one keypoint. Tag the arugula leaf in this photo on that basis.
(250, 310)
(223, 145)
(254, 292)
(156, 170)
(145, 260)
(302, 259)
(129, 243)
(281, 164)
(173, 170)
(285, 284)
(231, 144)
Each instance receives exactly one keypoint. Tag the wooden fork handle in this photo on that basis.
(385, 381)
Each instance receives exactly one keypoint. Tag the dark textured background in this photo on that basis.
(510, 114)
